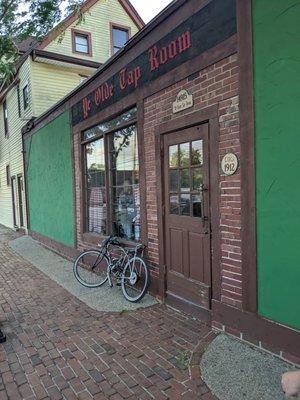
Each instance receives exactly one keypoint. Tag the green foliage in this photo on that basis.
(22, 19)
(183, 360)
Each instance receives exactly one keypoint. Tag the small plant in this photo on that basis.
(183, 360)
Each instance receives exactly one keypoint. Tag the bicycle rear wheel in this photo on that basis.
(135, 279)
(90, 268)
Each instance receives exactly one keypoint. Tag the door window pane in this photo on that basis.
(197, 178)
(174, 204)
(173, 180)
(184, 151)
(185, 180)
(185, 204)
(197, 152)
(95, 185)
(125, 184)
(173, 156)
(197, 205)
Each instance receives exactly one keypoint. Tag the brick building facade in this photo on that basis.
(128, 141)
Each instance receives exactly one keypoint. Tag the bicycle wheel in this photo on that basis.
(90, 268)
(135, 279)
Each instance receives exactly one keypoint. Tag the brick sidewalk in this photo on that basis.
(59, 348)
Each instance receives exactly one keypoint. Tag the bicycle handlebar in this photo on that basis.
(115, 241)
(110, 240)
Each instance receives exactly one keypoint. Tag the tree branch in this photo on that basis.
(6, 8)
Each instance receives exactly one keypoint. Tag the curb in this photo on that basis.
(194, 366)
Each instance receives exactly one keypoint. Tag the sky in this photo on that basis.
(149, 8)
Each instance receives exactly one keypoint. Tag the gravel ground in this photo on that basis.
(234, 370)
(60, 270)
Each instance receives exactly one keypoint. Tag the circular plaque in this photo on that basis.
(229, 164)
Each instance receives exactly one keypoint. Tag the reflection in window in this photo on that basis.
(173, 156)
(184, 150)
(197, 178)
(110, 125)
(81, 43)
(25, 97)
(119, 37)
(185, 204)
(112, 178)
(95, 186)
(174, 204)
(173, 177)
(197, 152)
(197, 205)
(125, 183)
(186, 178)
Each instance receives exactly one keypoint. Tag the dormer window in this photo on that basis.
(119, 36)
(81, 42)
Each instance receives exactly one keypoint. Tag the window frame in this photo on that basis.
(19, 101)
(108, 177)
(5, 119)
(8, 175)
(112, 26)
(25, 96)
(88, 36)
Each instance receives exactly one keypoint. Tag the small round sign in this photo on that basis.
(229, 164)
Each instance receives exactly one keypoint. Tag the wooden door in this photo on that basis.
(187, 217)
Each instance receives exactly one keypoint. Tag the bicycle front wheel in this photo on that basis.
(135, 279)
(90, 268)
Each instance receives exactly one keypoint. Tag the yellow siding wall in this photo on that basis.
(11, 147)
(51, 83)
(47, 85)
(97, 21)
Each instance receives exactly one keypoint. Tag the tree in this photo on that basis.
(23, 19)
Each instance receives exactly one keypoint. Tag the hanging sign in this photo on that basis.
(183, 101)
(229, 164)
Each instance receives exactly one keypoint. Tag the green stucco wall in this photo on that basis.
(276, 39)
(49, 181)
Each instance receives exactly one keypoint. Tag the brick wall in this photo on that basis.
(217, 84)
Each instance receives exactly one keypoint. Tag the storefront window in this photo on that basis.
(112, 191)
(110, 125)
(95, 186)
(125, 183)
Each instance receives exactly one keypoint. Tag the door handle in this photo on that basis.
(204, 218)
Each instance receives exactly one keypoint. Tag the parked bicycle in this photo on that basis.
(93, 268)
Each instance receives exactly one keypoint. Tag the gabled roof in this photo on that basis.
(26, 44)
(63, 25)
